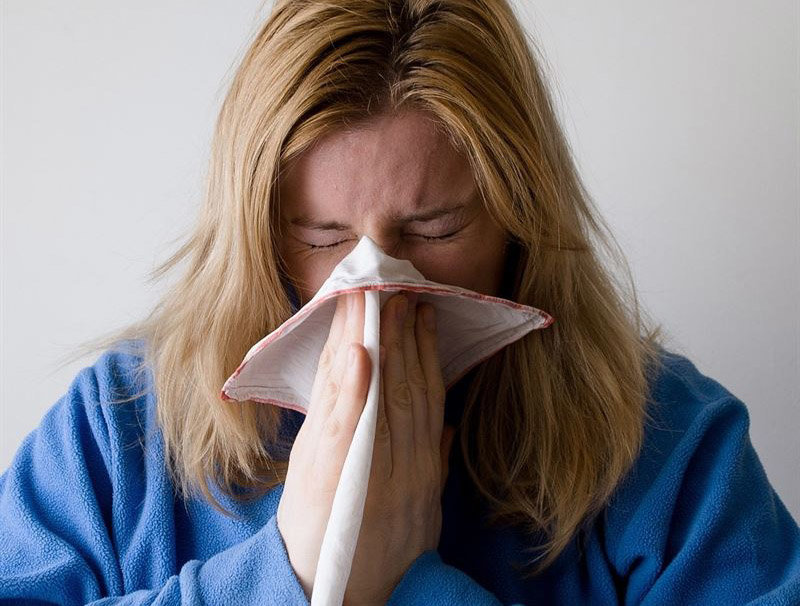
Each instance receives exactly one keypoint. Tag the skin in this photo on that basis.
(369, 180)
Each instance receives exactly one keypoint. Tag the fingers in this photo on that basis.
(353, 395)
(340, 425)
(411, 394)
(337, 324)
(397, 393)
(417, 381)
(432, 371)
(382, 449)
(347, 327)
(326, 360)
(352, 332)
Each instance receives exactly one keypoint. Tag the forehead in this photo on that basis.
(392, 166)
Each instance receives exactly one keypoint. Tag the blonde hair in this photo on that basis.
(554, 421)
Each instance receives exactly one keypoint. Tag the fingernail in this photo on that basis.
(427, 316)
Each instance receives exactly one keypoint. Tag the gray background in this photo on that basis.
(683, 117)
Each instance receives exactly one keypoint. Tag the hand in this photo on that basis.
(320, 447)
(338, 396)
(402, 513)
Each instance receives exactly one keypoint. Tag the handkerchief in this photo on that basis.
(280, 369)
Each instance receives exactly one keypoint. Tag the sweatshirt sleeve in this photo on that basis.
(710, 529)
(56, 540)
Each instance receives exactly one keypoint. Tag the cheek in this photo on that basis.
(474, 267)
(308, 273)
(475, 261)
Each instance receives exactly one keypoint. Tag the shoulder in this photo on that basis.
(696, 513)
(688, 413)
(115, 376)
(120, 372)
(76, 490)
(680, 393)
(106, 407)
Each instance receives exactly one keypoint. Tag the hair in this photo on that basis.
(554, 421)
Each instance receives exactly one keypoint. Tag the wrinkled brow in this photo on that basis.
(429, 215)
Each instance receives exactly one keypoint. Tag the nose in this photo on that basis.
(386, 242)
(391, 243)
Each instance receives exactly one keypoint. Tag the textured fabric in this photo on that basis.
(87, 515)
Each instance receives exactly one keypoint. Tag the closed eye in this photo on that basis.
(426, 238)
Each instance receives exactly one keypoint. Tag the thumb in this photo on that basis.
(448, 435)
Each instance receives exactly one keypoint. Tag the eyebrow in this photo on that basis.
(430, 215)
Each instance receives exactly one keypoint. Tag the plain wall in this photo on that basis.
(683, 117)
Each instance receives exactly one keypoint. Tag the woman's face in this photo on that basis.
(400, 182)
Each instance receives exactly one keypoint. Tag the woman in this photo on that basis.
(588, 463)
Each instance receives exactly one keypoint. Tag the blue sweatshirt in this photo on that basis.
(87, 515)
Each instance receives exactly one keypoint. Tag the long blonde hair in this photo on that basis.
(554, 421)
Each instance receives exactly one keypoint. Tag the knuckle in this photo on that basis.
(333, 427)
(382, 429)
(331, 391)
(401, 395)
(417, 378)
